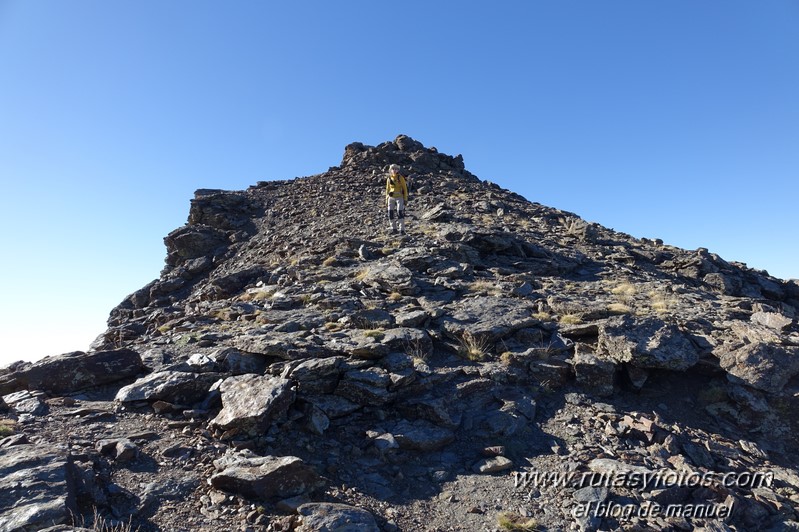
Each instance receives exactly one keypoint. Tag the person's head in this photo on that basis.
(394, 169)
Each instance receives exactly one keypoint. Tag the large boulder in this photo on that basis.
(488, 318)
(265, 477)
(646, 343)
(764, 366)
(334, 517)
(251, 402)
(73, 371)
(35, 488)
(593, 373)
(194, 241)
(389, 276)
(172, 386)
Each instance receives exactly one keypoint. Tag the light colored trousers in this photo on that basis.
(398, 205)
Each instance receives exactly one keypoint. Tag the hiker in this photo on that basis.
(396, 197)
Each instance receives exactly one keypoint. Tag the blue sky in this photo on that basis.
(676, 120)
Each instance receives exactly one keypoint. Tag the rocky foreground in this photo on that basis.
(504, 366)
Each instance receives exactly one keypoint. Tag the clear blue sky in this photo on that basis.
(676, 120)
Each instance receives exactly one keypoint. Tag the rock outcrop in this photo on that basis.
(297, 367)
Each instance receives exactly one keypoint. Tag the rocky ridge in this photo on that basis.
(295, 367)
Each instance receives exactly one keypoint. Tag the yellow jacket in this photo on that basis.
(396, 187)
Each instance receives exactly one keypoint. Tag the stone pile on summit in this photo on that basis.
(295, 367)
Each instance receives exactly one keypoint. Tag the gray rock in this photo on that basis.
(763, 366)
(316, 420)
(125, 451)
(266, 477)
(493, 464)
(194, 241)
(333, 406)
(26, 402)
(238, 363)
(364, 253)
(488, 318)
(171, 386)
(772, 320)
(646, 343)
(317, 375)
(373, 319)
(593, 373)
(390, 277)
(591, 494)
(421, 435)
(412, 318)
(251, 402)
(36, 488)
(523, 290)
(363, 344)
(74, 371)
(435, 410)
(366, 387)
(201, 363)
(386, 441)
(285, 345)
(439, 213)
(610, 468)
(168, 489)
(334, 517)
(403, 339)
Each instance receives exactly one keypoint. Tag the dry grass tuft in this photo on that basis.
(473, 348)
(571, 318)
(619, 308)
(516, 523)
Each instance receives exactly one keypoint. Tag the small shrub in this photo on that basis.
(7, 427)
(506, 358)
(542, 316)
(516, 523)
(624, 291)
(660, 303)
(377, 334)
(571, 319)
(483, 286)
(417, 350)
(259, 294)
(619, 308)
(99, 523)
(330, 261)
(473, 348)
(362, 274)
(394, 297)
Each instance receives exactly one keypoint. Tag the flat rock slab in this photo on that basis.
(492, 465)
(35, 488)
(421, 435)
(390, 277)
(646, 343)
(74, 371)
(488, 318)
(172, 386)
(265, 477)
(763, 366)
(250, 402)
(332, 517)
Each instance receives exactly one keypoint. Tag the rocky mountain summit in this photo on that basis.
(503, 366)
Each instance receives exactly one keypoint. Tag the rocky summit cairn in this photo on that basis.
(503, 366)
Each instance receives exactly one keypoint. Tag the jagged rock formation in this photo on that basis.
(296, 367)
